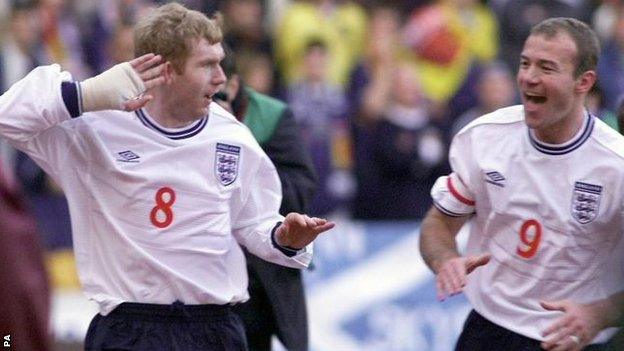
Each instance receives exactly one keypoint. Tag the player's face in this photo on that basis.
(548, 88)
(202, 78)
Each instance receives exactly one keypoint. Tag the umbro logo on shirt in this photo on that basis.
(127, 156)
(495, 178)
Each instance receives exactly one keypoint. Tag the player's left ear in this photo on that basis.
(585, 82)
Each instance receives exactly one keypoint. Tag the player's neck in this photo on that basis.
(162, 114)
(563, 131)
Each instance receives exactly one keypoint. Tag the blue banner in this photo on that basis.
(369, 289)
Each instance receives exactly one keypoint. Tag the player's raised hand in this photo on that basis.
(298, 230)
(575, 329)
(451, 275)
(151, 70)
(123, 86)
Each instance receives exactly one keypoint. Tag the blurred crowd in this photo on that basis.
(378, 87)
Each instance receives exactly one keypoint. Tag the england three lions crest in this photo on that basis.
(585, 202)
(226, 163)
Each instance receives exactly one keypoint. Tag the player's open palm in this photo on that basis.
(298, 230)
(151, 70)
(451, 276)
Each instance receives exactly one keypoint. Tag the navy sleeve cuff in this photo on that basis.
(72, 98)
(286, 250)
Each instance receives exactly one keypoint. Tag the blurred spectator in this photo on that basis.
(208, 7)
(449, 40)
(20, 49)
(368, 86)
(62, 37)
(244, 27)
(604, 17)
(274, 12)
(595, 104)
(256, 69)
(120, 46)
(24, 294)
(252, 44)
(496, 88)
(611, 65)
(517, 17)
(205, 6)
(340, 24)
(320, 107)
(403, 154)
(104, 23)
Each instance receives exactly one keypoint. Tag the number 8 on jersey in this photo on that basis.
(161, 215)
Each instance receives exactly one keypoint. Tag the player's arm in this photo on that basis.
(454, 203)
(438, 248)
(47, 96)
(257, 225)
(437, 238)
(32, 105)
(125, 86)
(28, 112)
(299, 230)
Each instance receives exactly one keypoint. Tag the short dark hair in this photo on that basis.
(240, 102)
(228, 64)
(587, 43)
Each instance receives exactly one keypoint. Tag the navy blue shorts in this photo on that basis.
(480, 334)
(175, 327)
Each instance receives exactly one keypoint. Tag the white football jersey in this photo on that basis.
(550, 215)
(157, 213)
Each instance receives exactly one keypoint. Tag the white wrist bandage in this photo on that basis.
(109, 90)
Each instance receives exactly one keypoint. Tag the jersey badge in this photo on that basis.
(585, 202)
(226, 163)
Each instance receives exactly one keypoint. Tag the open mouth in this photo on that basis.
(536, 99)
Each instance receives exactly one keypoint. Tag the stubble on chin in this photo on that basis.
(531, 121)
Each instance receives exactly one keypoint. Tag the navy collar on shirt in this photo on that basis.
(569, 146)
(192, 130)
